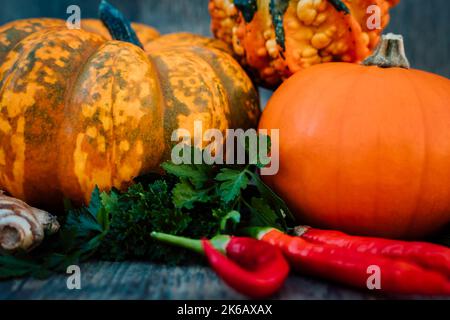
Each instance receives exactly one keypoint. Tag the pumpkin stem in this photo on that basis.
(340, 6)
(277, 11)
(390, 53)
(248, 8)
(119, 27)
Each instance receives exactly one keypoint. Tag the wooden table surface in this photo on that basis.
(144, 281)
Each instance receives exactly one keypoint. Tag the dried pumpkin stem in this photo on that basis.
(390, 53)
(248, 8)
(118, 26)
(340, 6)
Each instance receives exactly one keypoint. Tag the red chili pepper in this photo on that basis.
(428, 255)
(253, 268)
(350, 267)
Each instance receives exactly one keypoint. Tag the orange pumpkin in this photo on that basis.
(365, 149)
(78, 109)
(276, 38)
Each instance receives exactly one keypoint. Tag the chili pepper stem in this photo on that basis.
(219, 242)
(190, 244)
(300, 230)
(257, 232)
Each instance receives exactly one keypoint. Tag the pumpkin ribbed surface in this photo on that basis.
(79, 110)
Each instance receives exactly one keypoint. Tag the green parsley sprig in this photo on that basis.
(189, 200)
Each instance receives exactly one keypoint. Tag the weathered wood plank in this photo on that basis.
(107, 280)
(146, 281)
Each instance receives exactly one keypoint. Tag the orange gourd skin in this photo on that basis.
(78, 109)
(363, 149)
(315, 32)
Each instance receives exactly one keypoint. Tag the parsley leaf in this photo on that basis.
(263, 214)
(185, 195)
(196, 174)
(232, 182)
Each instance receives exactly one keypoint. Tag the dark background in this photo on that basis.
(424, 24)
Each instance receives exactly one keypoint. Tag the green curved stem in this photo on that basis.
(256, 232)
(219, 242)
(340, 6)
(119, 27)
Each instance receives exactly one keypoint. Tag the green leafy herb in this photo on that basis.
(79, 240)
(263, 215)
(197, 174)
(185, 195)
(190, 200)
(232, 182)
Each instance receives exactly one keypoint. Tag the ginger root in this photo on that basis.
(23, 227)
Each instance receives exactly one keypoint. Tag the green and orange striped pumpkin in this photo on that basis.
(78, 109)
